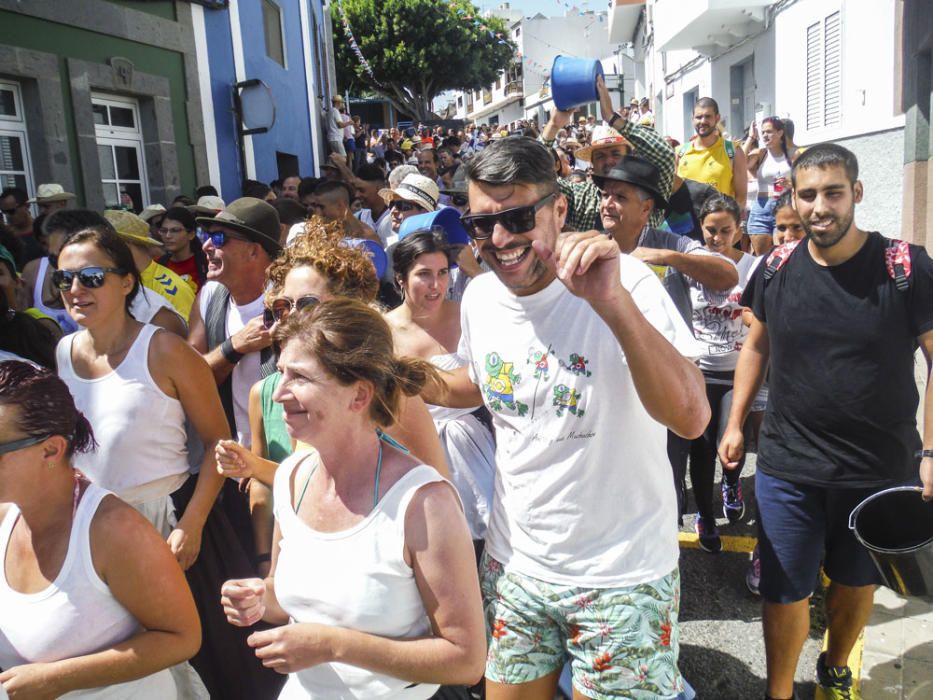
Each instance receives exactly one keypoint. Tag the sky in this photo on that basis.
(549, 8)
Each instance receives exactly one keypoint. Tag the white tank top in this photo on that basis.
(448, 362)
(139, 429)
(357, 579)
(770, 169)
(74, 616)
(61, 316)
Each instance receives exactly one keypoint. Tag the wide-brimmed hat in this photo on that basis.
(52, 192)
(635, 171)
(414, 188)
(208, 205)
(254, 218)
(153, 211)
(603, 137)
(130, 227)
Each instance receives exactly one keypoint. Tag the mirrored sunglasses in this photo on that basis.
(283, 306)
(90, 277)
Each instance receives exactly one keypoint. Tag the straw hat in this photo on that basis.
(52, 192)
(603, 137)
(153, 211)
(414, 188)
(130, 227)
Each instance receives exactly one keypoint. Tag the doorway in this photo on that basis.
(741, 97)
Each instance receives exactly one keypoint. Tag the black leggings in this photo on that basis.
(703, 450)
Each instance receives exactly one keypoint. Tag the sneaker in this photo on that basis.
(708, 534)
(753, 575)
(836, 681)
(733, 505)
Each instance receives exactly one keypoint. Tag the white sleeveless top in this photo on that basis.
(139, 429)
(447, 362)
(769, 170)
(61, 316)
(74, 616)
(357, 579)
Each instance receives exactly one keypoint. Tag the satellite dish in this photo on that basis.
(255, 105)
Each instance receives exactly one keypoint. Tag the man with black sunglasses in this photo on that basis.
(579, 355)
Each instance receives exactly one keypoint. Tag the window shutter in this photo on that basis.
(832, 71)
(814, 76)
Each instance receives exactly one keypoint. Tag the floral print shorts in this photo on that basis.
(620, 642)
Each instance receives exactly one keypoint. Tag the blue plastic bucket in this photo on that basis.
(373, 250)
(446, 218)
(896, 526)
(573, 81)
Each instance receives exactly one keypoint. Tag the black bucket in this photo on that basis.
(896, 526)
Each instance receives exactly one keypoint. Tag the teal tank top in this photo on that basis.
(278, 441)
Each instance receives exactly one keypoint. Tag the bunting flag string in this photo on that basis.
(354, 46)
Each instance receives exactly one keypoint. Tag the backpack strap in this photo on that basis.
(897, 262)
(730, 148)
(777, 258)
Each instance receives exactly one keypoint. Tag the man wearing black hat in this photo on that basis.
(628, 194)
(226, 322)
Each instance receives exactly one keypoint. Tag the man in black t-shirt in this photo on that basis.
(840, 423)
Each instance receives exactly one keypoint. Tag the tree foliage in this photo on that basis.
(417, 49)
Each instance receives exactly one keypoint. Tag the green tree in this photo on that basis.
(417, 49)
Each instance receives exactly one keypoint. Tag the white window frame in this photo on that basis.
(281, 14)
(129, 137)
(15, 127)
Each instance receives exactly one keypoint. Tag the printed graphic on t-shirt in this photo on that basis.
(567, 399)
(499, 386)
(576, 364)
(538, 358)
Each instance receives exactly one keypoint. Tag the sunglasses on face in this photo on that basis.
(90, 277)
(7, 447)
(459, 200)
(517, 220)
(218, 239)
(402, 205)
(283, 306)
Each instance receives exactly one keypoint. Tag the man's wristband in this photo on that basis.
(230, 355)
(614, 118)
(926, 453)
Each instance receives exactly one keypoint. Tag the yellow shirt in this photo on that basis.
(163, 281)
(710, 165)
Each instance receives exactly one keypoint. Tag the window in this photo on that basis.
(272, 28)
(120, 150)
(15, 169)
(824, 72)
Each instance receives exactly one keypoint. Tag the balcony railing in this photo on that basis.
(514, 88)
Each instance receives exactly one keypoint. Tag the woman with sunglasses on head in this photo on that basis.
(139, 388)
(771, 164)
(427, 326)
(373, 580)
(93, 603)
(183, 253)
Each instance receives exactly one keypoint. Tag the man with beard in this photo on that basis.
(840, 333)
(578, 353)
(710, 158)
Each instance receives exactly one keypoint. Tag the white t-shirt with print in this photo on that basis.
(246, 371)
(717, 322)
(584, 493)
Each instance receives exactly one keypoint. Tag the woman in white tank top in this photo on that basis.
(427, 326)
(373, 579)
(139, 387)
(93, 603)
(771, 165)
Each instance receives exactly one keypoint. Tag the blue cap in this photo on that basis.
(374, 250)
(446, 218)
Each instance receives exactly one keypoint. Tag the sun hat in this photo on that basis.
(208, 205)
(130, 227)
(414, 188)
(254, 218)
(153, 211)
(635, 171)
(51, 192)
(603, 137)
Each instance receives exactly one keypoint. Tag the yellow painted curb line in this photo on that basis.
(855, 663)
(730, 543)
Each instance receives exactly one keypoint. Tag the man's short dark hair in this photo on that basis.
(707, 103)
(206, 191)
(290, 211)
(514, 160)
(307, 186)
(827, 155)
(255, 188)
(330, 188)
(370, 173)
(17, 193)
(431, 151)
(70, 221)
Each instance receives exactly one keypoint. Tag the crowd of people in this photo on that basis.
(428, 419)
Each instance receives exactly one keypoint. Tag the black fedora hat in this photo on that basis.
(635, 171)
(254, 218)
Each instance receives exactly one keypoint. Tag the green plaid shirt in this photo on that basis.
(583, 197)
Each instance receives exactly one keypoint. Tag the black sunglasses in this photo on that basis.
(283, 306)
(402, 205)
(459, 200)
(20, 444)
(517, 220)
(90, 277)
(218, 239)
